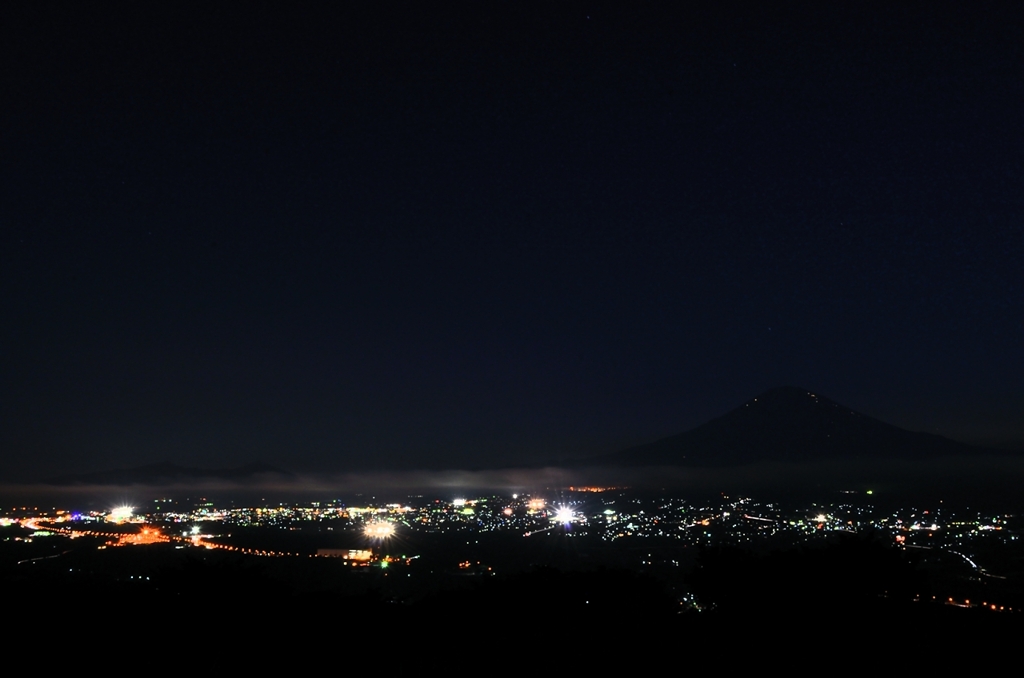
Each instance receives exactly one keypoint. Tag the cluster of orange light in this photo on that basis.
(145, 536)
(984, 605)
(153, 536)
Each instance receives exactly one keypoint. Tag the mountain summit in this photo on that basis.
(788, 424)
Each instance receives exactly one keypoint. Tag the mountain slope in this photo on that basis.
(788, 424)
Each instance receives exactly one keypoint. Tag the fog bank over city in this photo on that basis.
(990, 477)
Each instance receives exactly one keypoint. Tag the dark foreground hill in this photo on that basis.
(789, 424)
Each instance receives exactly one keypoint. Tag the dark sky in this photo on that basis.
(411, 236)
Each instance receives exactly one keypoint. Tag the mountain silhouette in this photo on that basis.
(788, 424)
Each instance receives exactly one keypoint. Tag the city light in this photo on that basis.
(121, 514)
(960, 535)
(379, 530)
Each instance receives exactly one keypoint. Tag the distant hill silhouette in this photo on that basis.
(788, 424)
(165, 474)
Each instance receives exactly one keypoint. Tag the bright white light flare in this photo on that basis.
(379, 530)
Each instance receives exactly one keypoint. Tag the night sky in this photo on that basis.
(417, 236)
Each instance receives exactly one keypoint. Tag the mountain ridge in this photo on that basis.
(788, 424)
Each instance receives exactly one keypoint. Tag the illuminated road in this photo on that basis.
(32, 560)
(149, 535)
(977, 568)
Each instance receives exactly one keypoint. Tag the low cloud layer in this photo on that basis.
(989, 478)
